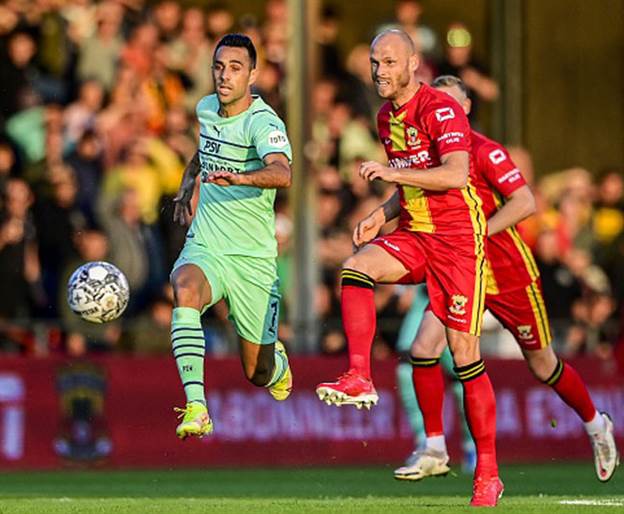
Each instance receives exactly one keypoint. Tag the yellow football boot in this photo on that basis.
(282, 388)
(196, 420)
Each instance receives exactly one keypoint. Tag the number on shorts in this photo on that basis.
(273, 327)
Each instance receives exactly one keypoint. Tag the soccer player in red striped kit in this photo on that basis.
(426, 136)
(514, 296)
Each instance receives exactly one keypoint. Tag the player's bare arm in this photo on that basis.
(452, 174)
(182, 209)
(367, 229)
(519, 205)
(275, 174)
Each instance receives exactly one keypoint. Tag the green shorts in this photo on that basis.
(249, 286)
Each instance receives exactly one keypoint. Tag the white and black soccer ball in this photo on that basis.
(98, 292)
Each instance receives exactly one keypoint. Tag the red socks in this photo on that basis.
(429, 388)
(480, 406)
(359, 318)
(571, 389)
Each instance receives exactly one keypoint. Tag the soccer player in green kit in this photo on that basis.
(230, 249)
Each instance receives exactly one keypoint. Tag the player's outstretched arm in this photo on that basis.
(182, 209)
(276, 173)
(451, 174)
(519, 205)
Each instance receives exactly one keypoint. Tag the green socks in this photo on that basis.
(189, 348)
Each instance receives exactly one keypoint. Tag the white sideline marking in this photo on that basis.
(602, 503)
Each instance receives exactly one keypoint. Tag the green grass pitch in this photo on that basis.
(551, 489)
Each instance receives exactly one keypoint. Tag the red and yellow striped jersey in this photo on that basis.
(510, 260)
(416, 136)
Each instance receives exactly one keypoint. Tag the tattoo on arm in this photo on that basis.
(194, 166)
(392, 207)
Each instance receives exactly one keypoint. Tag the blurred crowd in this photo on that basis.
(96, 125)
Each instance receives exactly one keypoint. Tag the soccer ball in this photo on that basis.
(98, 292)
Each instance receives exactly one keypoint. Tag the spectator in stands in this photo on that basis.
(8, 166)
(57, 218)
(190, 55)
(608, 229)
(219, 21)
(81, 115)
(167, 15)
(86, 163)
(99, 53)
(151, 169)
(460, 62)
(408, 14)
(18, 73)
(20, 272)
(149, 333)
(561, 288)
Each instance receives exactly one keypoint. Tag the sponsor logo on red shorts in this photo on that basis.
(390, 245)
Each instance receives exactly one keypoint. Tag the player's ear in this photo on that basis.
(253, 75)
(467, 105)
(414, 63)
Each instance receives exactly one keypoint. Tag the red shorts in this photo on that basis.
(452, 267)
(523, 313)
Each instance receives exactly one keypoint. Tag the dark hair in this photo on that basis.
(238, 41)
(450, 81)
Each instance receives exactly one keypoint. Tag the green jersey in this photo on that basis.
(237, 220)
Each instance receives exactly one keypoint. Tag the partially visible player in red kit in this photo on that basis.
(426, 136)
(514, 296)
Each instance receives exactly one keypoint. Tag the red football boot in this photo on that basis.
(351, 388)
(486, 492)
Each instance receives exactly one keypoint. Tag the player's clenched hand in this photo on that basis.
(367, 230)
(223, 178)
(371, 170)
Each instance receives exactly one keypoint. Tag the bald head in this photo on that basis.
(394, 62)
(397, 38)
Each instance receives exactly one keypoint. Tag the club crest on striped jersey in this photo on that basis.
(411, 136)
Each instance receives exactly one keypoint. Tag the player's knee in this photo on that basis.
(186, 292)
(542, 362)
(357, 263)
(423, 349)
(465, 349)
